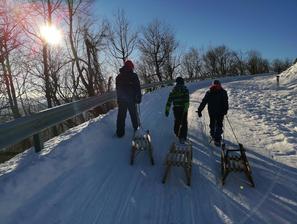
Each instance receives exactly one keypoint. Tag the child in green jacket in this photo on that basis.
(179, 96)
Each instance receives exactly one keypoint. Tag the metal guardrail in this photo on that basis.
(17, 130)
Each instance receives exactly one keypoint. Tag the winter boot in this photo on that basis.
(182, 140)
(217, 143)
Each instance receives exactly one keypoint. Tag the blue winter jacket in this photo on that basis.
(128, 86)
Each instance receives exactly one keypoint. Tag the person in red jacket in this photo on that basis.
(217, 100)
(128, 95)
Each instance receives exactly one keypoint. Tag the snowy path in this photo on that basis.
(87, 178)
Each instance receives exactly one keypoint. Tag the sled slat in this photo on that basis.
(179, 156)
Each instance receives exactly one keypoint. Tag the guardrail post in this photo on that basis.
(38, 144)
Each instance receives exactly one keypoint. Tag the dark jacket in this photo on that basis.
(217, 100)
(128, 86)
(179, 96)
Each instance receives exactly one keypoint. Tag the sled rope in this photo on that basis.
(138, 115)
(232, 130)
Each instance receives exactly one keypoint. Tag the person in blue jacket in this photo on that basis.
(128, 95)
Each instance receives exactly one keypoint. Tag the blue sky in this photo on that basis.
(269, 26)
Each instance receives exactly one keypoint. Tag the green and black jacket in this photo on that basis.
(179, 96)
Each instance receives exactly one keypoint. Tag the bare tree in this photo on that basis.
(240, 65)
(80, 38)
(220, 61)
(45, 11)
(157, 45)
(279, 65)
(9, 41)
(256, 64)
(171, 64)
(172, 59)
(94, 80)
(86, 43)
(122, 39)
(145, 70)
(73, 7)
(192, 64)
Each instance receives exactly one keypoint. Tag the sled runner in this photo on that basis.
(179, 155)
(235, 160)
(141, 142)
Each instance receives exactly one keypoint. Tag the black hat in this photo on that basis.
(216, 82)
(179, 81)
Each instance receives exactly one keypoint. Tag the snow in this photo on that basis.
(84, 176)
(290, 73)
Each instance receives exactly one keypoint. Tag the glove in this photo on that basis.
(199, 114)
(166, 113)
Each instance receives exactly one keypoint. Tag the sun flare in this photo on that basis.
(51, 34)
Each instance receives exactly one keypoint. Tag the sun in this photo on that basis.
(51, 34)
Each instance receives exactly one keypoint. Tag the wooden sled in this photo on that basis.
(142, 143)
(179, 155)
(235, 160)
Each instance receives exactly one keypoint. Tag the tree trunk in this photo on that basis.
(10, 86)
(73, 50)
(46, 76)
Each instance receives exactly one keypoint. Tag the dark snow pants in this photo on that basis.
(180, 122)
(121, 118)
(216, 126)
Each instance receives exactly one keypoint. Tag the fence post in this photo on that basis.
(38, 144)
(277, 80)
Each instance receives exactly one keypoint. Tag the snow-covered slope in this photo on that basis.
(289, 77)
(290, 72)
(84, 176)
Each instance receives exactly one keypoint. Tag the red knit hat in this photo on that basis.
(129, 65)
